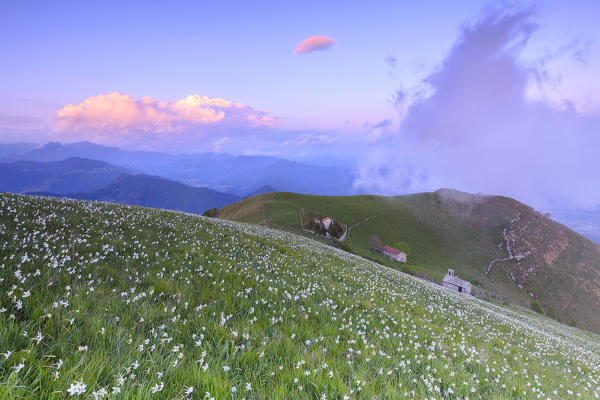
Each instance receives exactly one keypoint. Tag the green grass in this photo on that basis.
(450, 229)
(435, 231)
(133, 300)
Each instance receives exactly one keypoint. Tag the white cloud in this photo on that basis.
(477, 130)
(122, 113)
(307, 139)
(119, 119)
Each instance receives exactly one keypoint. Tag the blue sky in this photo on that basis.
(122, 72)
(63, 52)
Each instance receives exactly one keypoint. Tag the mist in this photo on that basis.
(472, 126)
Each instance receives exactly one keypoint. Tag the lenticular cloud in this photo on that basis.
(314, 43)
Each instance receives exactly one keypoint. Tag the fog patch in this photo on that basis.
(476, 130)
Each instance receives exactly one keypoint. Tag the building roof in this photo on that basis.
(456, 281)
(392, 250)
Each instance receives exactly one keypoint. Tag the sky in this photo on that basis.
(482, 96)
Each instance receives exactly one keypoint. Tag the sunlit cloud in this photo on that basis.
(120, 113)
(182, 125)
(314, 43)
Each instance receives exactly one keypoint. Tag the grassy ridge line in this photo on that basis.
(435, 231)
(265, 312)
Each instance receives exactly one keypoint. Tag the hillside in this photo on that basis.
(261, 190)
(550, 263)
(124, 302)
(156, 192)
(70, 175)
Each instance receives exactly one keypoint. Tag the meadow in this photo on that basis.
(549, 263)
(103, 301)
(435, 231)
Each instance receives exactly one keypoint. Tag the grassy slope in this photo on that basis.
(560, 268)
(452, 229)
(135, 300)
(435, 234)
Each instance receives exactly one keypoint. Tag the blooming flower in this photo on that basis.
(157, 388)
(76, 388)
(19, 367)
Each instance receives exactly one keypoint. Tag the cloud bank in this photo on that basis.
(314, 43)
(474, 128)
(120, 119)
(193, 124)
(122, 113)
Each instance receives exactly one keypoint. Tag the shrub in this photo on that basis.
(375, 243)
(551, 312)
(537, 307)
(574, 324)
(402, 246)
(211, 213)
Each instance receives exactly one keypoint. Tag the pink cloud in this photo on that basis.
(120, 113)
(314, 43)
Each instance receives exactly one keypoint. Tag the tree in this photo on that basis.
(402, 246)
(337, 229)
(375, 243)
(574, 324)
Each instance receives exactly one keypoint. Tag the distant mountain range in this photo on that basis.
(237, 175)
(89, 179)
(83, 167)
(8, 149)
(154, 191)
(71, 175)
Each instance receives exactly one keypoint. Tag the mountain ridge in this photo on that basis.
(72, 174)
(237, 174)
(153, 191)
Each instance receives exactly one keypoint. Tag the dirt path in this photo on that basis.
(264, 216)
(346, 234)
(368, 218)
(341, 239)
(507, 244)
(302, 223)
